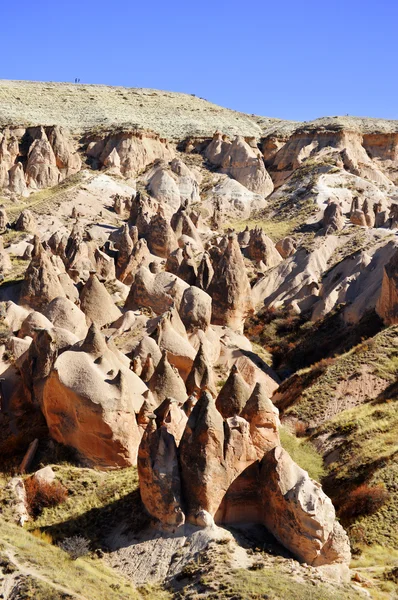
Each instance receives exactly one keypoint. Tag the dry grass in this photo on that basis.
(78, 107)
(276, 230)
(379, 354)
(89, 577)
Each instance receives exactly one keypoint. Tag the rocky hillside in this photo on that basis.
(198, 349)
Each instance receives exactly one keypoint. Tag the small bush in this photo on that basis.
(300, 429)
(75, 546)
(40, 495)
(44, 536)
(364, 500)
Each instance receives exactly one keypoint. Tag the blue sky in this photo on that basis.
(287, 59)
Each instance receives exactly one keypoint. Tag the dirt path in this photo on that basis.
(29, 570)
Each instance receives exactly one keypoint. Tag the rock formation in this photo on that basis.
(230, 288)
(97, 304)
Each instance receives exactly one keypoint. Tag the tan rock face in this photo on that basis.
(41, 168)
(67, 159)
(171, 337)
(242, 162)
(195, 309)
(161, 238)
(357, 217)
(333, 218)
(166, 382)
(298, 512)
(89, 401)
(97, 304)
(160, 485)
(230, 289)
(201, 376)
(26, 222)
(263, 418)
(387, 304)
(261, 248)
(3, 218)
(134, 150)
(203, 474)
(284, 156)
(233, 395)
(64, 313)
(286, 247)
(234, 470)
(41, 283)
(157, 291)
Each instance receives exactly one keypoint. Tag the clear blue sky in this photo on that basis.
(287, 59)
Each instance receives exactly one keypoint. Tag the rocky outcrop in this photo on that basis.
(161, 238)
(41, 283)
(89, 401)
(166, 382)
(3, 218)
(131, 151)
(160, 485)
(97, 303)
(41, 168)
(286, 247)
(201, 377)
(67, 159)
(64, 313)
(299, 513)
(26, 222)
(171, 337)
(195, 309)
(230, 289)
(387, 304)
(232, 470)
(233, 395)
(261, 248)
(157, 291)
(241, 161)
(333, 218)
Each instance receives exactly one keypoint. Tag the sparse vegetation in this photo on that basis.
(89, 577)
(303, 453)
(75, 546)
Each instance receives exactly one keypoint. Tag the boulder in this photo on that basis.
(64, 313)
(195, 309)
(286, 247)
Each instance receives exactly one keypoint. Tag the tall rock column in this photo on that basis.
(230, 289)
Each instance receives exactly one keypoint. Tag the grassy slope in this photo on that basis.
(379, 353)
(86, 576)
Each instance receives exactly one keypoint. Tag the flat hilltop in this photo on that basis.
(172, 115)
(79, 107)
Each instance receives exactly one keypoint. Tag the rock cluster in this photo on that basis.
(229, 467)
